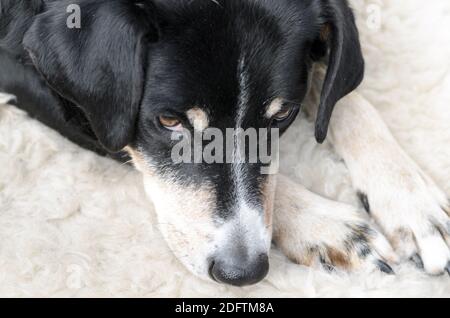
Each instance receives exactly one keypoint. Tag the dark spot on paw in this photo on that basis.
(364, 200)
(417, 260)
(385, 268)
(360, 234)
(358, 243)
(327, 266)
(358, 240)
(364, 250)
(446, 209)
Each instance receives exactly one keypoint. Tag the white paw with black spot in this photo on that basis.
(364, 248)
(416, 221)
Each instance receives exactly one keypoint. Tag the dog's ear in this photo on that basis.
(346, 63)
(99, 63)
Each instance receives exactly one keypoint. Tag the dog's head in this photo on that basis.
(144, 71)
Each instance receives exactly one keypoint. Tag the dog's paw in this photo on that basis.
(411, 210)
(413, 213)
(417, 225)
(363, 248)
(314, 231)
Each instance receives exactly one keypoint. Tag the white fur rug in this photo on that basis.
(74, 224)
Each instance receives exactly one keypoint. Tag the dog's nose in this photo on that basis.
(242, 271)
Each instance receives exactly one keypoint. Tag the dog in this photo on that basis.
(130, 74)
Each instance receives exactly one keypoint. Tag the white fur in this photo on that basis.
(74, 224)
(403, 200)
(246, 228)
(307, 226)
(5, 98)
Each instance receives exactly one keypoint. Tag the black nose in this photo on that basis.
(239, 271)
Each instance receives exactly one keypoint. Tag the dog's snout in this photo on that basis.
(242, 271)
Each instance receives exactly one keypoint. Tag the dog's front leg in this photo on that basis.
(407, 204)
(312, 230)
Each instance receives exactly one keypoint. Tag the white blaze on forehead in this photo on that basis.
(274, 107)
(243, 103)
(248, 224)
(244, 93)
(198, 118)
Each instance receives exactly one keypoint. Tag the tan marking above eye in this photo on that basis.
(198, 118)
(274, 107)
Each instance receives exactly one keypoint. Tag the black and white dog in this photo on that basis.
(134, 72)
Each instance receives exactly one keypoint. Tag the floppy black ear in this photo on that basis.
(346, 62)
(98, 66)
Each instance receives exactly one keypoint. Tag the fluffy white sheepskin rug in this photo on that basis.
(75, 224)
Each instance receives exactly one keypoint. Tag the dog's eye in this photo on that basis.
(284, 114)
(171, 123)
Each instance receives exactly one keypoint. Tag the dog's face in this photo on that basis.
(147, 71)
(205, 74)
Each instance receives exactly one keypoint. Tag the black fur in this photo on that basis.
(104, 85)
(346, 63)
(101, 70)
(101, 67)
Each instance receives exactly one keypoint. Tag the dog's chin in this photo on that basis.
(185, 221)
(192, 258)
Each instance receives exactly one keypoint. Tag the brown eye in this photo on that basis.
(283, 114)
(171, 123)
